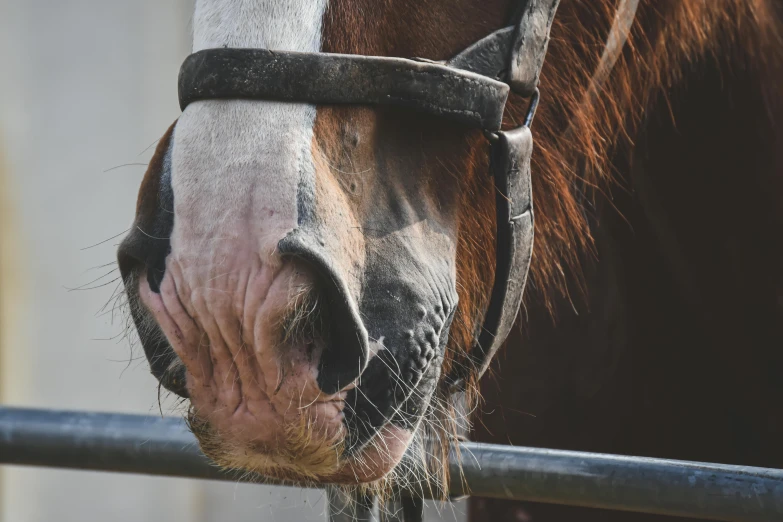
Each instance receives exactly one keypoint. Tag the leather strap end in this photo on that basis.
(530, 45)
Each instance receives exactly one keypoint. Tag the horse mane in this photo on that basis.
(583, 147)
(576, 142)
(673, 175)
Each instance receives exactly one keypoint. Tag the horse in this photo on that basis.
(311, 275)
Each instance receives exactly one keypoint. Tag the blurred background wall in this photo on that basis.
(86, 89)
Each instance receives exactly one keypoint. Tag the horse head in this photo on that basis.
(310, 275)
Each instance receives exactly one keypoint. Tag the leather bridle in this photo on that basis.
(470, 89)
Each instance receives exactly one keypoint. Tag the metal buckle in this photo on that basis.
(532, 106)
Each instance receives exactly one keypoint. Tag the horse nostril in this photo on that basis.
(148, 243)
(345, 356)
(140, 250)
(156, 269)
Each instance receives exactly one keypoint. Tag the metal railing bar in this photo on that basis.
(164, 446)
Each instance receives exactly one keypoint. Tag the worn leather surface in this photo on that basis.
(324, 78)
(530, 44)
(514, 203)
(514, 248)
(489, 56)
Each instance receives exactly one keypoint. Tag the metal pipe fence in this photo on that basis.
(164, 446)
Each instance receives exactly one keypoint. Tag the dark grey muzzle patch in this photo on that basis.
(404, 309)
(408, 306)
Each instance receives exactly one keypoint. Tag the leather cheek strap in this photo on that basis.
(529, 48)
(525, 46)
(510, 168)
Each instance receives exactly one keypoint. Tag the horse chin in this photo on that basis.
(305, 456)
(375, 460)
(308, 443)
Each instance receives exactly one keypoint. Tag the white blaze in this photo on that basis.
(284, 25)
(236, 165)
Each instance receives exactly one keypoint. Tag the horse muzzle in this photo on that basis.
(295, 339)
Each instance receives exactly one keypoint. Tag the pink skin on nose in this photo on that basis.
(226, 331)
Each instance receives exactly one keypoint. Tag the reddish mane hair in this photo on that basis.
(658, 226)
(667, 39)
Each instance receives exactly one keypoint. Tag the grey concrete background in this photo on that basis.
(86, 88)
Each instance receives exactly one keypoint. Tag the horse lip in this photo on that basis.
(347, 355)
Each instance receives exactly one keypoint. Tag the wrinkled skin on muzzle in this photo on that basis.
(298, 286)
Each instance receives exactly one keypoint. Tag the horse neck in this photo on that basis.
(283, 25)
